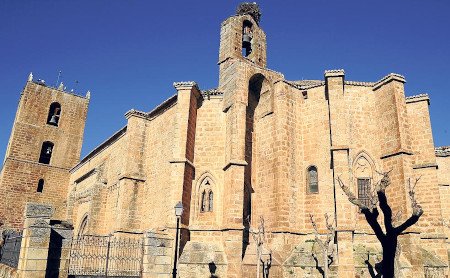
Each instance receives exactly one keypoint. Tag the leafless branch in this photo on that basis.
(351, 197)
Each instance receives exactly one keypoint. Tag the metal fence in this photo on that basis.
(10, 251)
(109, 256)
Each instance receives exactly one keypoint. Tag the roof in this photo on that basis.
(108, 142)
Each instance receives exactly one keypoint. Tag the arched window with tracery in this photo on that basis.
(210, 201)
(313, 180)
(54, 114)
(363, 169)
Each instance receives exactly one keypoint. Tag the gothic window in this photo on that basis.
(313, 181)
(210, 201)
(54, 113)
(40, 186)
(203, 203)
(46, 152)
(364, 190)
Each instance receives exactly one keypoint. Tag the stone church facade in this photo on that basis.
(257, 145)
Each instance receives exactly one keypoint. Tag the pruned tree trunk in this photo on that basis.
(389, 237)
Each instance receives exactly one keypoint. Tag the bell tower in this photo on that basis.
(45, 143)
(241, 36)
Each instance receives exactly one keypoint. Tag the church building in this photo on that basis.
(256, 147)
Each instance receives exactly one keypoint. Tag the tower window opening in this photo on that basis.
(40, 186)
(54, 114)
(313, 181)
(46, 152)
(247, 36)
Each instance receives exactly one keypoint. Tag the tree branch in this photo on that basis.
(351, 197)
(387, 211)
(417, 210)
(371, 217)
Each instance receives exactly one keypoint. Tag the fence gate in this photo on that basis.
(100, 256)
(10, 251)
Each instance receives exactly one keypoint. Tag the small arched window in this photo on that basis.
(210, 201)
(203, 204)
(40, 186)
(54, 114)
(313, 181)
(46, 152)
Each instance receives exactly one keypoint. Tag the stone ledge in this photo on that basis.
(417, 98)
(340, 148)
(235, 163)
(426, 165)
(388, 78)
(334, 73)
(182, 160)
(399, 152)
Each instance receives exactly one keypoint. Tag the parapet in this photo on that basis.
(442, 151)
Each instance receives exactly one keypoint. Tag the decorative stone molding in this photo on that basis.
(136, 113)
(214, 93)
(334, 73)
(388, 78)
(184, 84)
(442, 151)
(305, 84)
(417, 98)
(34, 210)
(359, 83)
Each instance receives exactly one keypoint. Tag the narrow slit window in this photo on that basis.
(203, 203)
(313, 180)
(40, 186)
(210, 201)
(46, 153)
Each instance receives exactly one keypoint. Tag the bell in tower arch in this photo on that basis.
(247, 36)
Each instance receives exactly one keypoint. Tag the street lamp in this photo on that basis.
(178, 213)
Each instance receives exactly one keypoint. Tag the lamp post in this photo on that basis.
(178, 213)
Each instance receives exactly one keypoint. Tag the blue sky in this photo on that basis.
(128, 53)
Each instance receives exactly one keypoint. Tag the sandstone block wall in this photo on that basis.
(21, 170)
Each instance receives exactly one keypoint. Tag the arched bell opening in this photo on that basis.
(247, 37)
(54, 114)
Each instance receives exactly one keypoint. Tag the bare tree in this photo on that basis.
(326, 246)
(259, 236)
(389, 238)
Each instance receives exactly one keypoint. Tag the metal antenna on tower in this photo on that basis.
(57, 81)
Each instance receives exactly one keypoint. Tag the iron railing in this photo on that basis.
(106, 256)
(10, 251)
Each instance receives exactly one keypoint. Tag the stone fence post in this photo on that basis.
(158, 249)
(35, 241)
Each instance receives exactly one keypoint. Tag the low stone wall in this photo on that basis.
(7, 272)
